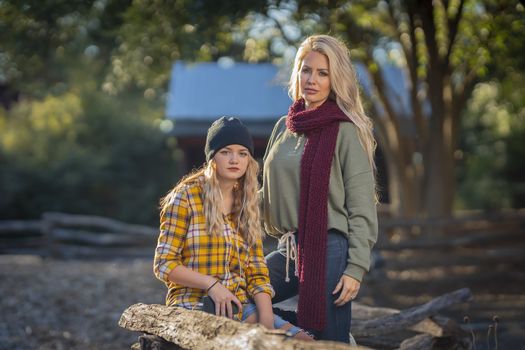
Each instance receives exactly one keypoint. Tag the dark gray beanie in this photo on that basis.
(227, 131)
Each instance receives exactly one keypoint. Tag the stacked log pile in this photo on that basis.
(420, 327)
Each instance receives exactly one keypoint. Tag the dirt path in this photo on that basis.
(53, 304)
(58, 304)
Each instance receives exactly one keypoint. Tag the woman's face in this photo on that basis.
(231, 162)
(314, 79)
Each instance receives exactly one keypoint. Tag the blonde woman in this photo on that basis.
(319, 190)
(210, 236)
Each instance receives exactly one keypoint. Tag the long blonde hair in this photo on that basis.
(343, 84)
(245, 200)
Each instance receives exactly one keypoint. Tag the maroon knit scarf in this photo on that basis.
(320, 126)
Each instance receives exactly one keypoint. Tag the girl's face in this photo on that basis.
(231, 162)
(314, 79)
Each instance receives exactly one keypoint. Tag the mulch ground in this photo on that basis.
(76, 304)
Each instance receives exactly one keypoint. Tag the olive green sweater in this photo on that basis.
(351, 204)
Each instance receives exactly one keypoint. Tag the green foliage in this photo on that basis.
(83, 153)
(156, 33)
(40, 40)
(69, 144)
(493, 132)
(84, 136)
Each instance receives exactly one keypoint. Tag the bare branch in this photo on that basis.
(453, 26)
(420, 122)
(280, 27)
(381, 89)
(435, 74)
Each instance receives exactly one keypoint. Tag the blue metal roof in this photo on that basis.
(206, 91)
(256, 93)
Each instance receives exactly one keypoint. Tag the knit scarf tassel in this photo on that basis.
(321, 127)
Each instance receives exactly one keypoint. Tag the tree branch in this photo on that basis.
(453, 26)
(281, 30)
(421, 123)
(434, 74)
(380, 89)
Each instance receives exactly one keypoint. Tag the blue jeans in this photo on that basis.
(338, 318)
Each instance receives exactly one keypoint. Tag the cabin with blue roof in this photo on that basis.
(199, 93)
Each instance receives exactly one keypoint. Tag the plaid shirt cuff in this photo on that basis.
(261, 288)
(165, 269)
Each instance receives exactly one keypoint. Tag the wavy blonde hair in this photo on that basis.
(245, 200)
(343, 85)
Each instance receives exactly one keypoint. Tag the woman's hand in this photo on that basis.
(349, 288)
(223, 299)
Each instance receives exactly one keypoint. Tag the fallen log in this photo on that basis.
(106, 224)
(415, 328)
(409, 317)
(466, 240)
(418, 342)
(102, 239)
(362, 313)
(199, 330)
(14, 227)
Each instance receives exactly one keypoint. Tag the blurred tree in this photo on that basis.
(83, 152)
(66, 143)
(58, 54)
(445, 48)
(493, 146)
(156, 33)
(41, 40)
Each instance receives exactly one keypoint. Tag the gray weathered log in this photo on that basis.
(455, 221)
(363, 313)
(101, 238)
(199, 330)
(417, 342)
(69, 251)
(14, 227)
(464, 240)
(426, 260)
(409, 317)
(60, 219)
(154, 342)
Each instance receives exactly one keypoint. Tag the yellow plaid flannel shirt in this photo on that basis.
(184, 240)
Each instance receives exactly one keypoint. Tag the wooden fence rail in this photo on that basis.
(68, 235)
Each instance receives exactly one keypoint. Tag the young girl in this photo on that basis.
(210, 240)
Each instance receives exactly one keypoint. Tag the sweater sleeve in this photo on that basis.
(359, 187)
(276, 129)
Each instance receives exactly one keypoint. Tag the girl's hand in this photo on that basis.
(223, 299)
(349, 288)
